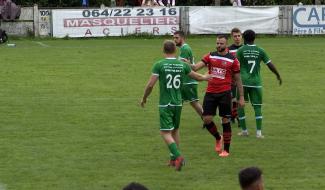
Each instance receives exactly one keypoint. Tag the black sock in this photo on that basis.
(212, 128)
(226, 136)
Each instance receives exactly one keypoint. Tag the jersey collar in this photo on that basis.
(184, 45)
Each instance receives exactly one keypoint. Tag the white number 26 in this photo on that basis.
(173, 82)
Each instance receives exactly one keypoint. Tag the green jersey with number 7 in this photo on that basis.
(250, 57)
(171, 74)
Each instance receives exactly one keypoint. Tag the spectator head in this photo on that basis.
(169, 47)
(236, 36)
(179, 38)
(221, 43)
(135, 186)
(249, 36)
(251, 179)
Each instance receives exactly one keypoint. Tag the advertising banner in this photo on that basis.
(308, 20)
(115, 21)
(216, 20)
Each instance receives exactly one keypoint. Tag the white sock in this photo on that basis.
(259, 132)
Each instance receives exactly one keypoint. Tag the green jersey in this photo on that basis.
(250, 57)
(171, 74)
(186, 53)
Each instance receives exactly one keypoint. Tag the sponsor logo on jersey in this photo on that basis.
(218, 72)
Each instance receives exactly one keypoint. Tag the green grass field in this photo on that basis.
(69, 119)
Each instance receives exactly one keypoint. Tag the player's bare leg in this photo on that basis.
(197, 107)
(176, 159)
(175, 135)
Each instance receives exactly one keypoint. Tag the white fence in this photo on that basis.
(23, 26)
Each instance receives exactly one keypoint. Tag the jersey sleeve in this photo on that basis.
(206, 59)
(187, 69)
(185, 53)
(265, 58)
(156, 69)
(235, 66)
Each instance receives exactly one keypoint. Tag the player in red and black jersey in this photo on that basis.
(237, 39)
(223, 67)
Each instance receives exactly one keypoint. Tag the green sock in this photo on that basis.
(259, 124)
(242, 118)
(174, 152)
(172, 157)
(258, 116)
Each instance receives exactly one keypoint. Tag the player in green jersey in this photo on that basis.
(170, 72)
(189, 88)
(250, 57)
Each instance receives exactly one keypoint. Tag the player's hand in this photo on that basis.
(208, 76)
(279, 79)
(241, 102)
(185, 60)
(143, 102)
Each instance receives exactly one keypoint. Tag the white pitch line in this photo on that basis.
(42, 44)
(2, 186)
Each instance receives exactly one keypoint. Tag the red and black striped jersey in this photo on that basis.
(222, 67)
(233, 49)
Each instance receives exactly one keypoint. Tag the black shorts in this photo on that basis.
(222, 101)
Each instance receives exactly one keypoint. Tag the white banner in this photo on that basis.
(115, 21)
(308, 20)
(216, 20)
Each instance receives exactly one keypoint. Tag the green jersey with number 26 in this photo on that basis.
(250, 57)
(171, 74)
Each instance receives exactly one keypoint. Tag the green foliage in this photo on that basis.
(77, 3)
(293, 2)
(62, 3)
(277, 2)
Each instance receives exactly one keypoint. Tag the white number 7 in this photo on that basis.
(252, 62)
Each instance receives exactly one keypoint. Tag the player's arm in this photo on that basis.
(197, 66)
(148, 89)
(194, 67)
(240, 89)
(270, 65)
(275, 71)
(198, 76)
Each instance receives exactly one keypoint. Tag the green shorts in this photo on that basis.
(253, 95)
(189, 92)
(170, 117)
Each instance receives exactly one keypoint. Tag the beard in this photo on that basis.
(178, 44)
(220, 49)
